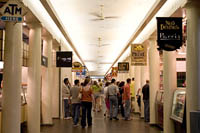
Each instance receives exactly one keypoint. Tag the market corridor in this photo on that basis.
(102, 125)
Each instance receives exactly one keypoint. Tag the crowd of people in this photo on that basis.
(88, 96)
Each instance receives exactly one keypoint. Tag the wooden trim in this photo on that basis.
(148, 18)
(60, 26)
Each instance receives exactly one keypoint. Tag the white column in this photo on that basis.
(55, 90)
(11, 108)
(47, 84)
(34, 78)
(154, 69)
(132, 74)
(170, 84)
(193, 59)
(137, 84)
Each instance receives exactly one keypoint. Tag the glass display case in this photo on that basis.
(178, 106)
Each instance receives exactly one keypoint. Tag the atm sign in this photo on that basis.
(12, 11)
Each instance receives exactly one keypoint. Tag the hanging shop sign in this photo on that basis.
(123, 66)
(138, 55)
(77, 67)
(12, 11)
(114, 71)
(169, 33)
(64, 59)
(44, 61)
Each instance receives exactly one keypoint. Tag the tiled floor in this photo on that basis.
(102, 125)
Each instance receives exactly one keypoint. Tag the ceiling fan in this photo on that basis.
(99, 44)
(101, 15)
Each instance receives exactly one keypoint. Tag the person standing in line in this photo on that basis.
(66, 94)
(76, 103)
(120, 95)
(100, 83)
(112, 95)
(132, 86)
(145, 91)
(127, 100)
(86, 102)
(106, 99)
(96, 90)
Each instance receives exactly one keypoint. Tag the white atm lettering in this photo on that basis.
(13, 9)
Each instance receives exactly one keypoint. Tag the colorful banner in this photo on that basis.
(169, 33)
(114, 71)
(138, 55)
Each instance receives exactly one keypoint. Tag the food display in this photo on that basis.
(178, 105)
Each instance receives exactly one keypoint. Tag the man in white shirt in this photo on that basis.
(65, 95)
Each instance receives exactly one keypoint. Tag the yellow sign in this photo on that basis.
(77, 67)
(138, 55)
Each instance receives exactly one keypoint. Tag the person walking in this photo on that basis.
(106, 99)
(120, 99)
(86, 102)
(112, 95)
(65, 95)
(132, 86)
(76, 103)
(97, 92)
(127, 100)
(145, 91)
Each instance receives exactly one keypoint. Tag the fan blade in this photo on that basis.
(95, 14)
(111, 17)
(93, 44)
(98, 19)
(104, 45)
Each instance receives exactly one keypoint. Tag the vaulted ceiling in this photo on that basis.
(100, 29)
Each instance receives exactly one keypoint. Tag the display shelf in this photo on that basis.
(178, 105)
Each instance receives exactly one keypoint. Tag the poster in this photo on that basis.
(169, 33)
(138, 55)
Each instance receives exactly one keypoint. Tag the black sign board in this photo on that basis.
(64, 59)
(169, 33)
(44, 61)
(123, 66)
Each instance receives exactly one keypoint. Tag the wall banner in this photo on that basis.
(169, 33)
(138, 55)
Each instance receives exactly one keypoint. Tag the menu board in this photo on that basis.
(178, 105)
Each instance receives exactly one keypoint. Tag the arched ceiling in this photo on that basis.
(78, 18)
